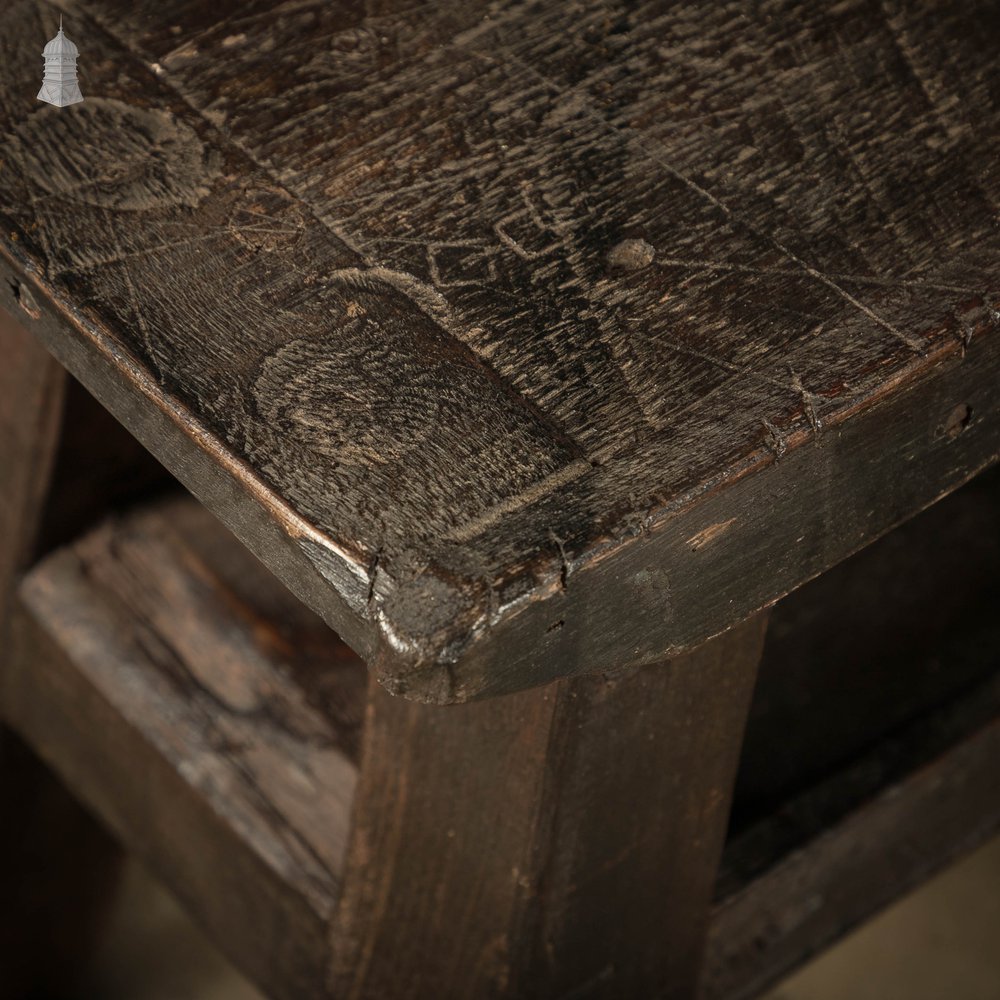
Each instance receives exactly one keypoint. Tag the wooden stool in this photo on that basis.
(209, 721)
(207, 718)
(539, 352)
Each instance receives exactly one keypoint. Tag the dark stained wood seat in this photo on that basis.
(539, 350)
(516, 341)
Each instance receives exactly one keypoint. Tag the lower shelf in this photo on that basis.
(207, 718)
(797, 880)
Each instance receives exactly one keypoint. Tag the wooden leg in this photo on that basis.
(32, 388)
(557, 843)
(56, 864)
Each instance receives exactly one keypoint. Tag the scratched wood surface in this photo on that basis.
(522, 338)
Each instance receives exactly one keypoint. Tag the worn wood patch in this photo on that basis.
(207, 717)
(471, 301)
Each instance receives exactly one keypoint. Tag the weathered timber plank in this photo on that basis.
(208, 718)
(558, 842)
(374, 271)
(865, 836)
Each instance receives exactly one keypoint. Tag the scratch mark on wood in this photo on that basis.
(564, 563)
(774, 440)
(655, 153)
(861, 279)
(809, 404)
(709, 534)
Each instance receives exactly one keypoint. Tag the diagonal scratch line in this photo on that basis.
(474, 526)
(906, 53)
(861, 279)
(33, 201)
(350, 242)
(145, 251)
(422, 187)
(242, 209)
(914, 343)
(654, 152)
(260, 228)
(729, 366)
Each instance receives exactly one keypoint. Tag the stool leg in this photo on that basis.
(32, 388)
(556, 843)
(56, 864)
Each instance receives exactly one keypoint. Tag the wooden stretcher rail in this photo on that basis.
(936, 800)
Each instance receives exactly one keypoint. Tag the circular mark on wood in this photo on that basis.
(370, 381)
(110, 154)
(363, 404)
(363, 399)
(631, 255)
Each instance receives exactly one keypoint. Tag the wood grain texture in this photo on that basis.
(476, 320)
(560, 842)
(208, 718)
